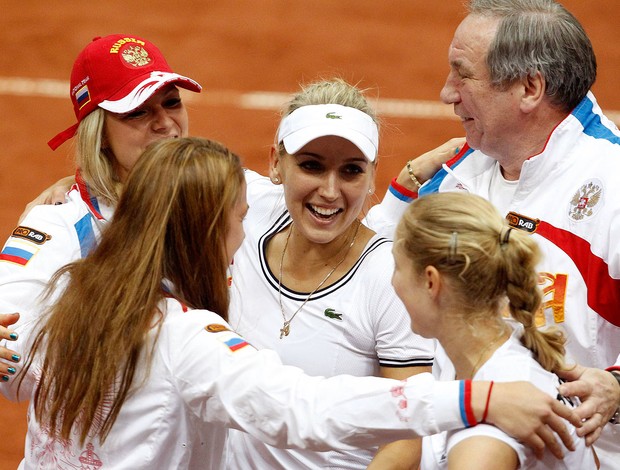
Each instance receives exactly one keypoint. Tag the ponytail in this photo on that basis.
(521, 256)
(484, 261)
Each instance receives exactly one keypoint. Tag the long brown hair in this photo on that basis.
(170, 226)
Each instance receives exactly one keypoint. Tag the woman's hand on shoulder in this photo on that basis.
(426, 165)
(55, 194)
(528, 414)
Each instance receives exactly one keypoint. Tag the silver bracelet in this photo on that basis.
(412, 176)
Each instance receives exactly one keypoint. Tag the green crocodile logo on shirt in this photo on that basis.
(333, 115)
(331, 313)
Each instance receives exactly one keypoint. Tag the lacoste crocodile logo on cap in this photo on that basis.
(333, 115)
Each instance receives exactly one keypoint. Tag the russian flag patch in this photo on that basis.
(82, 96)
(229, 338)
(234, 344)
(18, 252)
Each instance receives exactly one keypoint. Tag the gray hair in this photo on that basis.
(539, 36)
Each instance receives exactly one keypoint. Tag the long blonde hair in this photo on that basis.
(170, 224)
(484, 262)
(94, 160)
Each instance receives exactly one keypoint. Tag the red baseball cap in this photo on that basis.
(117, 73)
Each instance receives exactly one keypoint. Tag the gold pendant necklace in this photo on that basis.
(286, 326)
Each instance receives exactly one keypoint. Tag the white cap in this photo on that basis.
(313, 121)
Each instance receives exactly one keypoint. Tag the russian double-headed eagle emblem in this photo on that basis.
(583, 203)
(136, 56)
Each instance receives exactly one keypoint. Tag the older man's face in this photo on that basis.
(488, 115)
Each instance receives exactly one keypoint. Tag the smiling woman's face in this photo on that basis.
(325, 186)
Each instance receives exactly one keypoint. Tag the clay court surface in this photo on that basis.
(248, 55)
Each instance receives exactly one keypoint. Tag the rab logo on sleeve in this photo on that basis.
(31, 235)
(18, 251)
(522, 222)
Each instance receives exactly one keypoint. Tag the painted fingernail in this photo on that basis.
(13, 336)
(57, 203)
(11, 370)
(15, 358)
(457, 150)
(5, 378)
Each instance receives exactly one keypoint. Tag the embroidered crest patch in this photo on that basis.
(586, 201)
(215, 328)
(135, 56)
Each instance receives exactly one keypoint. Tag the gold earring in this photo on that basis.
(276, 180)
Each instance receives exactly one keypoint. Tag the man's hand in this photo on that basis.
(599, 393)
(531, 416)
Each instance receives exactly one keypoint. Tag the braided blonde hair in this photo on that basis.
(484, 262)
